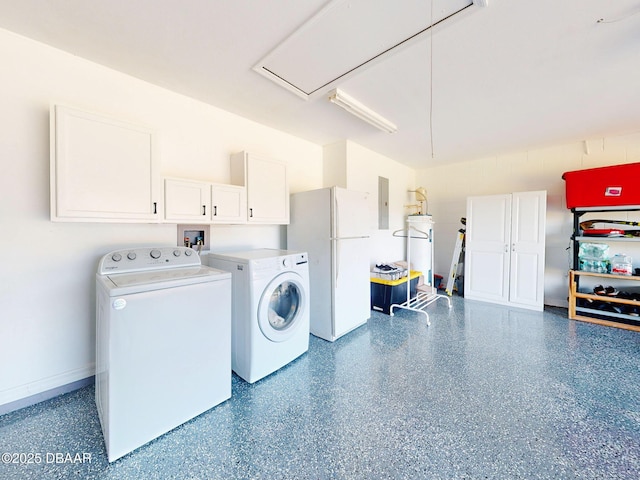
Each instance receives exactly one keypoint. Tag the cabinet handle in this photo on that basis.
(155, 208)
(251, 212)
(215, 210)
(204, 209)
(506, 248)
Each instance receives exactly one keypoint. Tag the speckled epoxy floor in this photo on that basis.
(484, 392)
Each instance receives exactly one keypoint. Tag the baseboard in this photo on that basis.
(35, 392)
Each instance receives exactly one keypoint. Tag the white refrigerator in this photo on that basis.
(331, 225)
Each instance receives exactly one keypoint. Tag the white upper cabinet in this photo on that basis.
(267, 187)
(102, 170)
(186, 200)
(201, 202)
(228, 204)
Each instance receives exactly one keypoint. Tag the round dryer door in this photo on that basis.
(281, 307)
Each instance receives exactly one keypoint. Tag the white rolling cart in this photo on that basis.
(419, 233)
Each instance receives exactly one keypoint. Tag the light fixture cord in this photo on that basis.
(431, 81)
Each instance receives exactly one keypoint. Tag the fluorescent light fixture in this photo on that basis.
(356, 108)
(481, 3)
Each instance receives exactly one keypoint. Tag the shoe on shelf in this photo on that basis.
(610, 291)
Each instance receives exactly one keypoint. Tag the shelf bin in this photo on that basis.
(385, 293)
(611, 186)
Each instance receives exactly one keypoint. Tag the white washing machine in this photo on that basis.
(270, 319)
(163, 343)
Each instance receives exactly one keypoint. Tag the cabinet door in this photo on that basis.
(267, 190)
(488, 237)
(186, 200)
(528, 219)
(102, 169)
(228, 204)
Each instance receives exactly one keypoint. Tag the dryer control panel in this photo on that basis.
(147, 258)
(299, 258)
(284, 262)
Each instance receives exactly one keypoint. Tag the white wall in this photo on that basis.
(536, 169)
(355, 167)
(47, 269)
(334, 171)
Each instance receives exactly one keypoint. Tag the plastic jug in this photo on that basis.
(621, 264)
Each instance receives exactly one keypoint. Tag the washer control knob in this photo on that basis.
(286, 262)
(155, 253)
(188, 252)
(131, 255)
(176, 253)
(116, 257)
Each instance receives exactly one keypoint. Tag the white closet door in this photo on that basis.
(504, 254)
(528, 221)
(487, 248)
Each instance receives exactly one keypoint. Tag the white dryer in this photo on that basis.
(270, 314)
(163, 343)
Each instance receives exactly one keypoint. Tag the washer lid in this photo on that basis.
(135, 282)
(156, 276)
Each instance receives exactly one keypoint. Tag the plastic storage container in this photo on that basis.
(385, 293)
(621, 264)
(604, 186)
(594, 257)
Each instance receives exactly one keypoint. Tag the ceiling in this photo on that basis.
(489, 80)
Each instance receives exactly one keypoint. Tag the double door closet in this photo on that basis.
(505, 249)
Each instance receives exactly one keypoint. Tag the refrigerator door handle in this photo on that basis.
(336, 217)
(336, 263)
